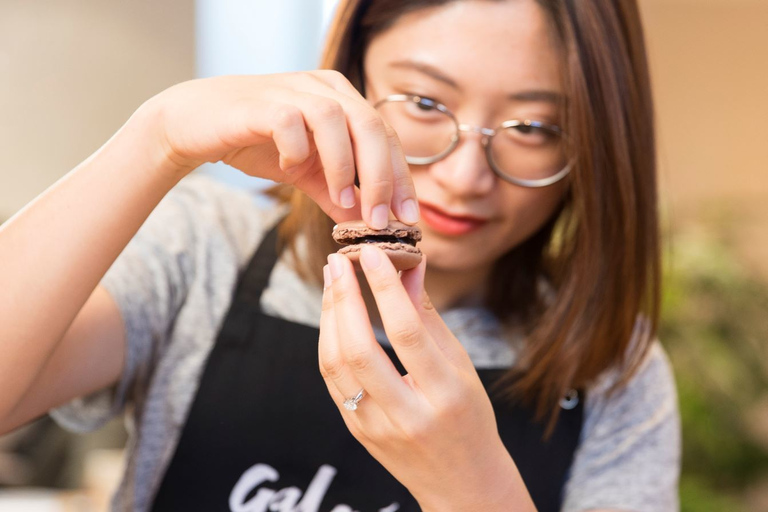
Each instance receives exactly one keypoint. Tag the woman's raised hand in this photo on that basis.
(433, 429)
(309, 129)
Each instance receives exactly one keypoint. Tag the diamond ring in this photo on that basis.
(350, 404)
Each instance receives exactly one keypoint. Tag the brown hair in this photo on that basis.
(600, 252)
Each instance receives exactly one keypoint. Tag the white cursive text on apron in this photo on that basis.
(286, 499)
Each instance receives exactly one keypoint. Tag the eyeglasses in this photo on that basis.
(524, 152)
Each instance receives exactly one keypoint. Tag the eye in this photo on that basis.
(525, 129)
(423, 105)
(533, 133)
(425, 109)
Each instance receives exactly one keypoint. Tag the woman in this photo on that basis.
(521, 130)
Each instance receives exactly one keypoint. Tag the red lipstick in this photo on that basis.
(449, 224)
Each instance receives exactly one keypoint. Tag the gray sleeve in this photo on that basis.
(149, 283)
(629, 455)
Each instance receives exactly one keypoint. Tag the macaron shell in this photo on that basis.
(351, 230)
(402, 256)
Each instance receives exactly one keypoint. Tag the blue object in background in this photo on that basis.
(247, 37)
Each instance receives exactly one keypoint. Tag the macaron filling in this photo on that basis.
(378, 239)
(397, 240)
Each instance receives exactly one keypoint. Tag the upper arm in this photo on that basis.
(629, 453)
(88, 358)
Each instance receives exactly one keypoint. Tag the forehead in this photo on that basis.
(486, 47)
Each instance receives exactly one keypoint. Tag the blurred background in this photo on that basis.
(72, 72)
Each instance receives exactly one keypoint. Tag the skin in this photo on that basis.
(437, 420)
(505, 49)
(62, 336)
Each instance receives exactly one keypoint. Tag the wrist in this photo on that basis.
(144, 141)
(497, 486)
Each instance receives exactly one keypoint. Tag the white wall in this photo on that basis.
(255, 37)
(72, 72)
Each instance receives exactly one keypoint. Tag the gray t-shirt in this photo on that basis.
(173, 285)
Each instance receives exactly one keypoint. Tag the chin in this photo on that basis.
(458, 259)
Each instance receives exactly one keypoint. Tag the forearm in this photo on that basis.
(55, 250)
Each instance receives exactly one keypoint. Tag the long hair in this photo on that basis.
(599, 254)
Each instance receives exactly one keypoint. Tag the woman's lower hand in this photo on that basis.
(309, 129)
(434, 429)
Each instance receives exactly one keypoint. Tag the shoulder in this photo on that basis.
(629, 455)
(651, 387)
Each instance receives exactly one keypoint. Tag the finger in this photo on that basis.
(409, 336)
(297, 150)
(375, 174)
(339, 379)
(327, 121)
(289, 132)
(339, 82)
(359, 349)
(368, 417)
(404, 204)
(413, 283)
(383, 173)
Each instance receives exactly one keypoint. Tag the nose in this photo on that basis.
(465, 171)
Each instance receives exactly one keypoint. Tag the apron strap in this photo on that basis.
(255, 278)
(252, 282)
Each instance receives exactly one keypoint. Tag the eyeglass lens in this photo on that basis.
(528, 152)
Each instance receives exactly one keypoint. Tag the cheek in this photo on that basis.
(526, 210)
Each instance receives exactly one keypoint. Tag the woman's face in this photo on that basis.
(488, 62)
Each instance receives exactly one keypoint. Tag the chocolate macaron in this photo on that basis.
(397, 240)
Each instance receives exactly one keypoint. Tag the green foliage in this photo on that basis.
(715, 328)
(697, 496)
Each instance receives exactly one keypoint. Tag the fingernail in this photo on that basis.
(409, 211)
(370, 257)
(379, 216)
(290, 170)
(336, 265)
(347, 197)
(326, 277)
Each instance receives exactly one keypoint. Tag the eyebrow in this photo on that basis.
(427, 70)
(537, 95)
(522, 96)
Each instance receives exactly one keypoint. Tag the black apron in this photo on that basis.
(264, 435)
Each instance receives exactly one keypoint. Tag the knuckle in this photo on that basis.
(359, 360)
(392, 135)
(331, 367)
(331, 74)
(305, 75)
(344, 169)
(407, 335)
(286, 116)
(403, 180)
(328, 110)
(451, 406)
(340, 294)
(380, 435)
(371, 122)
(426, 302)
(418, 430)
(336, 78)
(384, 284)
(378, 185)
(327, 303)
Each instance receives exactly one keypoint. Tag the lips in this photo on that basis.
(449, 224)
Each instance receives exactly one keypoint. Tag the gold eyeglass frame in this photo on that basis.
(487, 134)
